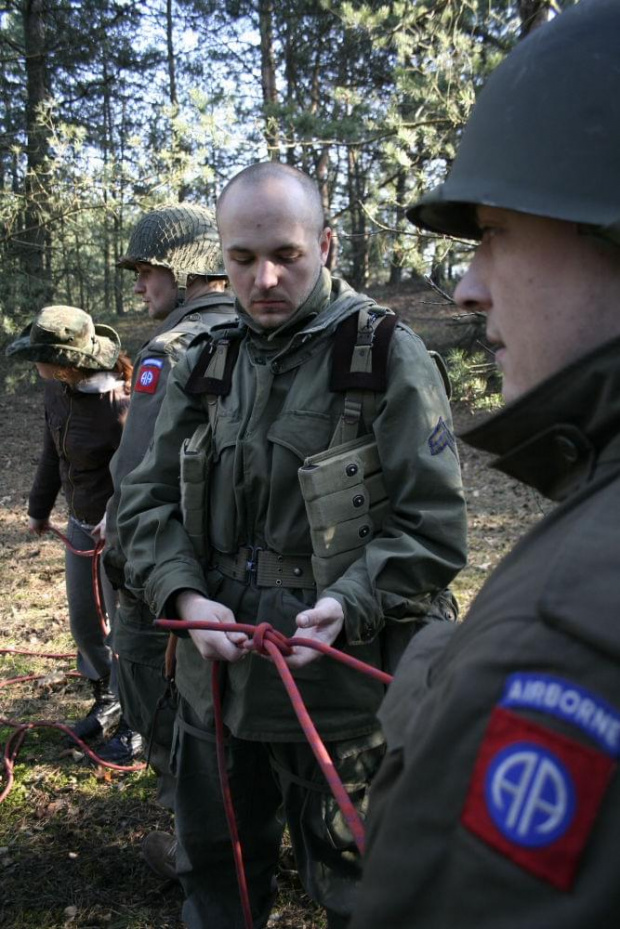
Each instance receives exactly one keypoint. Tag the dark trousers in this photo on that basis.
(149, 706)
(272, 784)
(94, 658)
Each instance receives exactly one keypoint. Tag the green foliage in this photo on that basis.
(108, 110)
(475, 380)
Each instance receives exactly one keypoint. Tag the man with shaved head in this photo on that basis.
(319, 491)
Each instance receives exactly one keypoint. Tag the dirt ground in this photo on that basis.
(69, 833)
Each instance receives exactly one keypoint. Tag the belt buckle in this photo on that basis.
(251, 565)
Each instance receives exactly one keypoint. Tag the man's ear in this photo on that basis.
(324, 243)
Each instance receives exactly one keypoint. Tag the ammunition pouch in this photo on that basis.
(196, 459)
(346, 503)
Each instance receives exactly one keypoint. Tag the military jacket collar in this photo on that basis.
(554, 436)
(331, 301)
(214, 298)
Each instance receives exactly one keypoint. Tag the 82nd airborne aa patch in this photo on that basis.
(148, 375)
(535, 794)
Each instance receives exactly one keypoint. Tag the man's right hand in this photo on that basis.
(217, 646)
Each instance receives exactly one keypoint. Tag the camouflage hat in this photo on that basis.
(68, 337)
(544, 136)
(182, 238)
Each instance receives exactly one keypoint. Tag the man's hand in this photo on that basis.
(218, 646)
(98, 531)
(322, 623)
(38, 526)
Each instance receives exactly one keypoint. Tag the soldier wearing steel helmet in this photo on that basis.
(498, 802)
(175, 253)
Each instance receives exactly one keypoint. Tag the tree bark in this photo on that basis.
(36, 244)
(268, 77)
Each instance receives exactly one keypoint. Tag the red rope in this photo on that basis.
(16, 739)
(227, 796)
(95, 554)
(273, 644)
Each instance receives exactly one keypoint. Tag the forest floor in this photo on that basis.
(70, 832)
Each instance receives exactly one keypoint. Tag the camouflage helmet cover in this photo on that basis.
(544, 136)
(182, 238)
(68, 337)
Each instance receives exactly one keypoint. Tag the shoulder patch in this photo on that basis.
(576, 705)
(534, 796)
(148, 375)
(441, 438)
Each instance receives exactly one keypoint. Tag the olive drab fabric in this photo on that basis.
(152, 368)
(498, 803)
(278, 412)
(67, 336)
(182, 238)
(546, 145)
(140, 647)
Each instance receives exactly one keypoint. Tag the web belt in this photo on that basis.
(264, 568)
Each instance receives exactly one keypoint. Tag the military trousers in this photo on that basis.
(272, 784)
(147, 700)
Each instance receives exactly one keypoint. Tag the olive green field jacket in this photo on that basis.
(279, 411)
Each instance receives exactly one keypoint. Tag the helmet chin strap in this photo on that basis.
(181, 282)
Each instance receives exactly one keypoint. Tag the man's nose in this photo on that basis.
(471, 291)
(138, 287)
(266, 275)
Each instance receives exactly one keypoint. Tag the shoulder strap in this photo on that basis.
(213, 371)
(359, 368)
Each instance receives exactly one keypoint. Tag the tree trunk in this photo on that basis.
(36, 244)
(359, 241)
(533, 13)
(268, 77)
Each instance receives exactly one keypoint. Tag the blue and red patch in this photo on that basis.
(535, 793)
(148, 375)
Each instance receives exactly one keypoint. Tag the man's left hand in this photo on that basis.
(322, 623)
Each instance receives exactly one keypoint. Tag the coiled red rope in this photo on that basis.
(269, 642)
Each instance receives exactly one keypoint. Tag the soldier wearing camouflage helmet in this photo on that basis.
(498, 803)
(169, 249)
(175, 253)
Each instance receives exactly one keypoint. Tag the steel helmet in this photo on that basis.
(182, 238)
(544, 136)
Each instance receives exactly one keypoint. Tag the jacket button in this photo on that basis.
(275, 367)
(351, 470)
(358, 500)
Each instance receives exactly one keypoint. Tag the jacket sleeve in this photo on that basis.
(137, 435)
(46, 482)
(160, 556)
(422, 544)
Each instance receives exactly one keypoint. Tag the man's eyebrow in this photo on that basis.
(285, 247)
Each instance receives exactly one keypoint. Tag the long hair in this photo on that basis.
(72, 375)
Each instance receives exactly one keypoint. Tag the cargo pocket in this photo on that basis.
(357, 762)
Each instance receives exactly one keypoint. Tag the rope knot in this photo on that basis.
(265, 632)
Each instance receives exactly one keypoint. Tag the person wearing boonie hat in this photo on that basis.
(86, 397)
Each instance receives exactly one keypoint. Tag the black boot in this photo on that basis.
(103, 714)
(124, 747)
